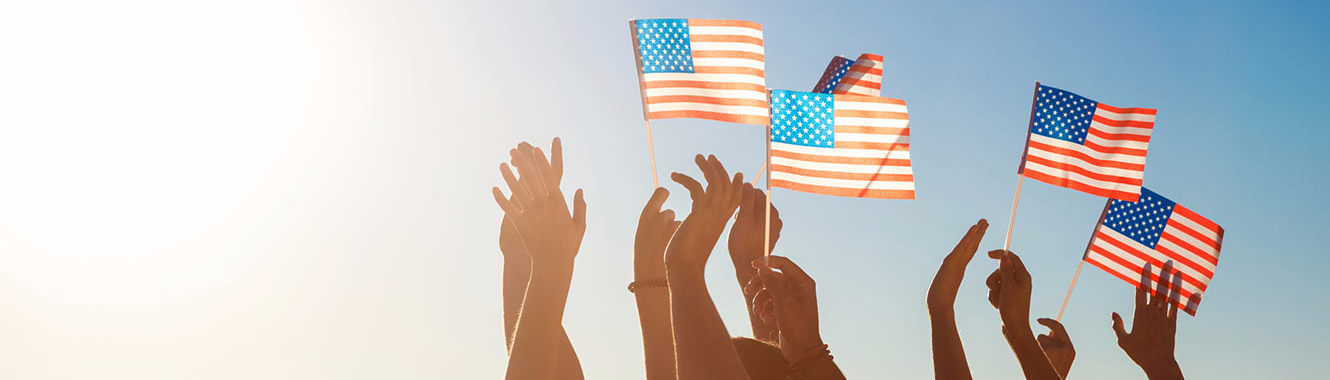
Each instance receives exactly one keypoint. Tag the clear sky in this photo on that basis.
(300, 189)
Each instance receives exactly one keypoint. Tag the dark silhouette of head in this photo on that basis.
(762, 360)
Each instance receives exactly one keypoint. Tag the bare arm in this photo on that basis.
(516, 276)
(703, 349)
(552, 235)
(1010, 288)
(654, 229)
(948, 354)
(745, 245)
(792, 296)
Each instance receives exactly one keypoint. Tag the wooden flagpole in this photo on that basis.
(766, 238)
(1020, 172)
(642, 89)
(1083, 256)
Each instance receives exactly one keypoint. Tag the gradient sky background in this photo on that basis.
(300, 190)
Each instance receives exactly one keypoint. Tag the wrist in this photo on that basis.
(1163, 369)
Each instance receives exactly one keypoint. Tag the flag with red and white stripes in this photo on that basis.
(704, 69)
(843, 145)
(862, 76)
(1081, 144)
(1154, 230)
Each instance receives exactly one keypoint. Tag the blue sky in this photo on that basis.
(300, 189)
(1239, 90)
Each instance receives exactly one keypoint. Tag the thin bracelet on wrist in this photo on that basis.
(649, 283)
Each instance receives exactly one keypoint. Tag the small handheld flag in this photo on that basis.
(1156, 230)
(843, 145)
(704, 69)
(1081, 144)
(859, 77)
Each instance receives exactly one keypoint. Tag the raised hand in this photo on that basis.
(655, 227)
(793, 298)
(746, 245)
(702, 345)
(1009, 289)
(1151, 340)
(537, 213)
(712, 207)
(948, 354)
(1057, 346)
(947, 282)
(749, 227)
(537, 208)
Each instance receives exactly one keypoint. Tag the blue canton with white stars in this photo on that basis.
(1142, 220)
(835, 72)
(664, 46)
(803, 118)
(1062, 115)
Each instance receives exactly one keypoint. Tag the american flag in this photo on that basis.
(859, 77)
(844, 145)
(1156, 230)
(1077, 143)
(705, 69)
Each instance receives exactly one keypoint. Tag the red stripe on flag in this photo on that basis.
(844, 192)
(716, 116)
(1086, 157)
(840, 159)
(1143, 111)
(1071, 184)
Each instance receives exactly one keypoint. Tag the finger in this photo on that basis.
(579, 212)
(719, 167)
(1141, 292)
(1118, 329)
(965, 249)
(789, 268)
(518, 188)
(546, 172)
(747, 207)
(736, 188)
(994, 283)
(668, 215)
(526, 166)
(1058, 331)
(1174, 296)
(657, 200)
(694, 189)
(674, 226)
(754, 285)
(556, 160)
(777, 284)
(508, 207)
(997, 254)
(707, 174)
(1161, 286)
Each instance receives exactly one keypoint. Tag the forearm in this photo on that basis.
(703, 349)
(653, 311)
(539, 334)
(825, 369)
(949, 361)
(1033, 362)
(516, 274)
(1167, 370)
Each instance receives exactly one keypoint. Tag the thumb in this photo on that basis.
(579, 213)
(1118, 328)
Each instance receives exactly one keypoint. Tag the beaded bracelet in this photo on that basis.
(652, 283)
